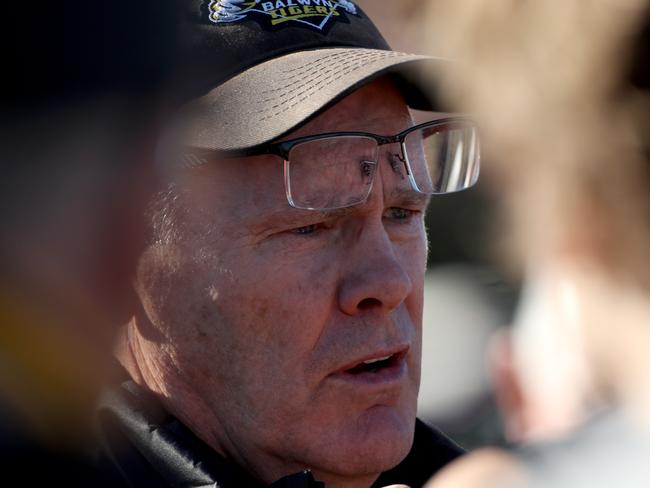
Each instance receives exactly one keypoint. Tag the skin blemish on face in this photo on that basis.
(397, 164)
(261, 308)
(213, 293)
(205, 316)
(367, 168)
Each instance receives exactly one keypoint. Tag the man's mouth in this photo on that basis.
(374, 365)
(379, 370)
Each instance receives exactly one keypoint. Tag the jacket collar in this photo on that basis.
(148, 446)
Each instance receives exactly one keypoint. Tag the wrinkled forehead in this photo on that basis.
(377, 107)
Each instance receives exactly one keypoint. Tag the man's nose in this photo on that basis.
(375, 278)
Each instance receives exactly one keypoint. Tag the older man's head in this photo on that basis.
(259, 316)
(282, 291)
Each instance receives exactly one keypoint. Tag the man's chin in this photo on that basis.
(378, 440)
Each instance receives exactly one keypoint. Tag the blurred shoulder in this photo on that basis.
(488, 467)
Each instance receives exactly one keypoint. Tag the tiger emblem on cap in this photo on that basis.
(229, 10)
(314, 13)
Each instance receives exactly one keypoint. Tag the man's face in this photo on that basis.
(263, 314)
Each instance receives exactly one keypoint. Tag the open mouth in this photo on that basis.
(375, 365)
(383, 370)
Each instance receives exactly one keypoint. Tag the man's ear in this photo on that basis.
(126, 238)
(130, 305)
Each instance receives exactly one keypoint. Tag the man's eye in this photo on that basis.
(398, 213)
(305, 230)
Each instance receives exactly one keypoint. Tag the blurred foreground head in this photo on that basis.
(562, 96)
(80, 99)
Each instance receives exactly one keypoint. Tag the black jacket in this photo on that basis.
(145, 446)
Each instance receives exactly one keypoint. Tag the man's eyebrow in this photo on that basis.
(398, 197)
(290, 215)
(409, 197)
(289, 212)
(335, 212)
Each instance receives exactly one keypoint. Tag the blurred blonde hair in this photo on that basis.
(565, 132)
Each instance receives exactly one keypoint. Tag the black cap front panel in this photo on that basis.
(259, 68)
(225, 37)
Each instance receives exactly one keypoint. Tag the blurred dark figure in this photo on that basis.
(563, 94)
(84, 89)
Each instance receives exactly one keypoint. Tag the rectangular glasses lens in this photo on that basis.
(333, 172)
(444, 158)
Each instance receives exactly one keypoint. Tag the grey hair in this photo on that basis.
(164, 215)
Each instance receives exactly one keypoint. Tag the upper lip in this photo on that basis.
(376, 355)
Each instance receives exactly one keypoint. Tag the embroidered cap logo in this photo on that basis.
(312, 13)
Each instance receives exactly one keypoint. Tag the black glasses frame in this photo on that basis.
(283, 148)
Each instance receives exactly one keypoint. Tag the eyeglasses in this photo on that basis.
(336, 170)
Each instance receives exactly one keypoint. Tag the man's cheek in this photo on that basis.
(414, 261)
(254, 326)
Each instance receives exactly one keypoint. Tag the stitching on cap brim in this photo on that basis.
(272, 98)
